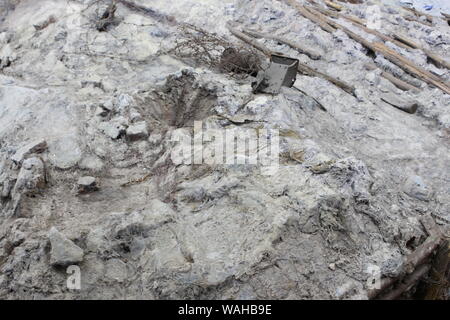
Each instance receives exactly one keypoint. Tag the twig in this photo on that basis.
(136, 181)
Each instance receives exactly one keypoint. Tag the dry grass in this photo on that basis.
(205, 48)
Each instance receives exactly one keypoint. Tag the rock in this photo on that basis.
(91, 162)
(64, 252)
(36, 146)
(108, 105)
(7, 56)
(5, 38)
(101, 112)
(322, 167)
(31, 178)
(135, 115)
(137, 131)
(65, 152)
(406, 105)
(155, 139)
(87, 184)
(124, 101)
(114, 128)
(6, 187)
(116, 270)
(415, 187)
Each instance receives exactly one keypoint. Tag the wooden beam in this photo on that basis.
(311, 16)
(406, 284)
(437, 59)
(403, 85)
(333, 5)
(389, 54)
(361, 25)
(297, 46)
(417, 13)
(415, 19)
(414, 266)
(439, 273)
(302, 68)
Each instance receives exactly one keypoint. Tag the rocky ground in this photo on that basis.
(87, 178)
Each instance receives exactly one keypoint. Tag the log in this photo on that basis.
(240, 35)
(425, 249)
(414, 19)
(311, 16)
(399, 83)
(302, 68)
(439, 273)
(159, 16)
(405, 105)
(397, 39)
(417, 13)
(302, 49)
(407, 283)
(335, 14)
(389, 54)
(403, 85)
(415, 259)
(438, 60)
(333, 5)
(361, 24)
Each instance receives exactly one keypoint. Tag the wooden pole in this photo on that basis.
(414, 264)
(311, 16)
(438, 60)
(407, 283)
(302, 68)
(302, 49)
(333, 5)
(403, 85)
(361, 24)
(398, 40)
(389, 54)
(439, 273)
